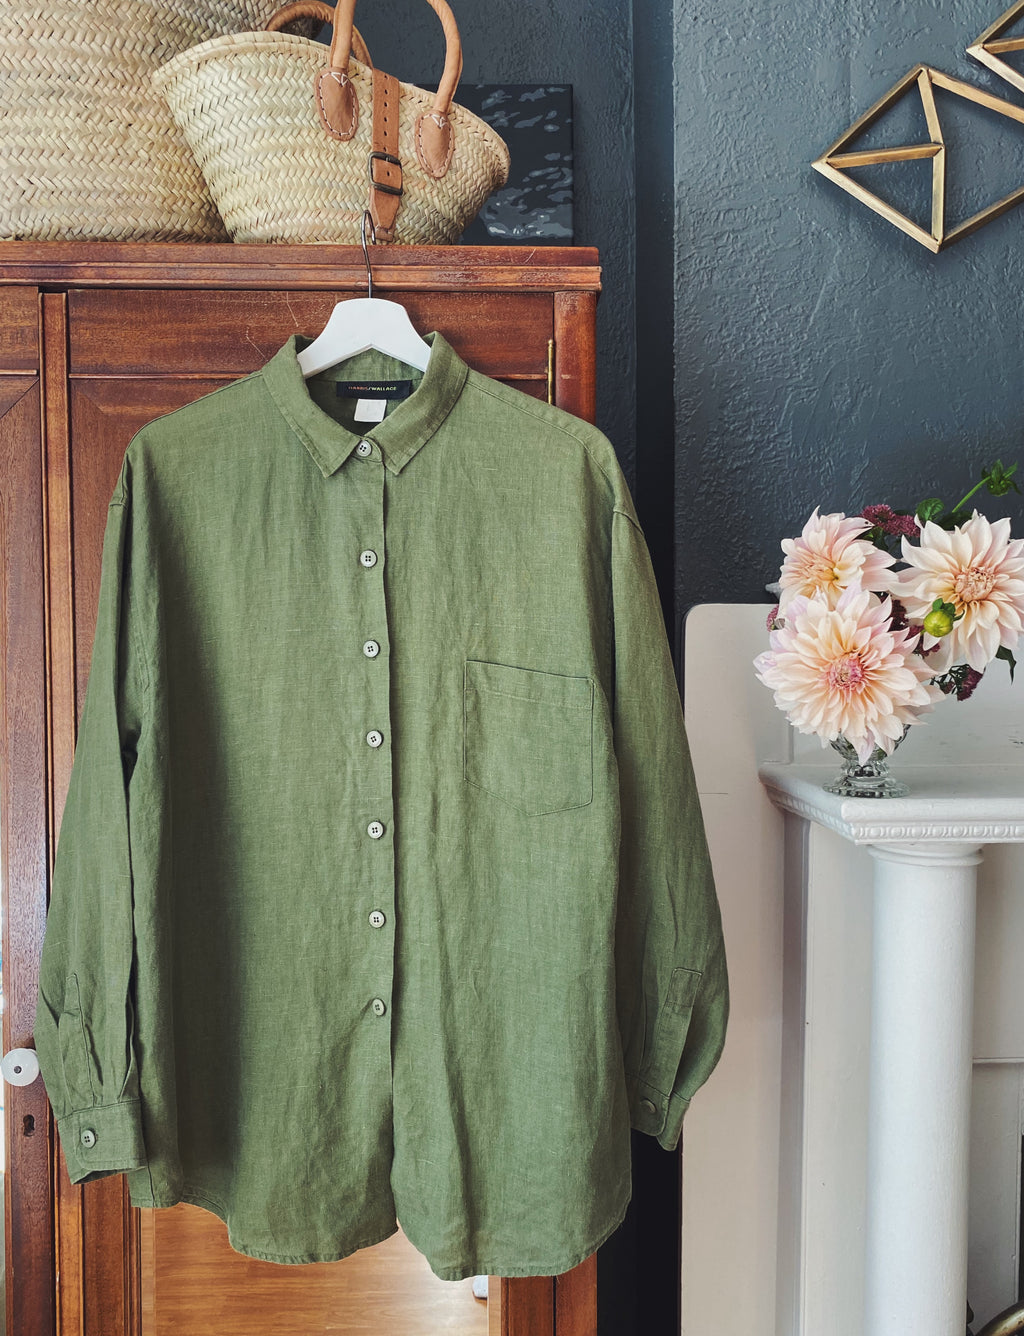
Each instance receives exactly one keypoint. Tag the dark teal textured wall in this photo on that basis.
(821, 355)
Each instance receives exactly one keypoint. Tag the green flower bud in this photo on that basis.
(939, 622)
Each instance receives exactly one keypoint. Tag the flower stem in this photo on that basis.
(977, 487)
(998, 481)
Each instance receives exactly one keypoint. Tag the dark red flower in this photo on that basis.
(898, 621)
(878, 515)
(886, 519)
(903, 526)
(966, 688)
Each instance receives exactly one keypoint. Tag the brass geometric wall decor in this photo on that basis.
(836, 161)
(991, 45)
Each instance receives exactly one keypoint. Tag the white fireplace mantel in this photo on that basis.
(980, 804)
(926, 849)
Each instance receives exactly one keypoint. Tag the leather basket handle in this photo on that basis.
(434, 134)
(316, 9)
(344, 16)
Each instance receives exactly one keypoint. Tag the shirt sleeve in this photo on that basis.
(83, 1023)
(671, 980)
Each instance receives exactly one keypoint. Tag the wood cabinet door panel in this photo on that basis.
(19, 330)
(23, 830)
(24, 815)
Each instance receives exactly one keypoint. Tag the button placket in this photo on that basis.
(375, 830)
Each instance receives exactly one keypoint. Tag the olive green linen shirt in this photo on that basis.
(382, 891)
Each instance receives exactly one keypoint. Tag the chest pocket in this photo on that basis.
(528, 736)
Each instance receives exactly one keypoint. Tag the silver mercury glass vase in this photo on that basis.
(868, 779)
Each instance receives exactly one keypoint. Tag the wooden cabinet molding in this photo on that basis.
(514, 269)
(96, 339)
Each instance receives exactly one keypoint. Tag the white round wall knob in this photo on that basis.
(19, 1066)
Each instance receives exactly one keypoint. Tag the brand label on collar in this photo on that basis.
(373, 389)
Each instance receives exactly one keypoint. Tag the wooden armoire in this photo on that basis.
(96, 339)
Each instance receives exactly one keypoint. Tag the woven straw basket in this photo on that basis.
(295, 144)
(88, 150)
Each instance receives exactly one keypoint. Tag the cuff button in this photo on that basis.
(88, 1138)
(648, 1106)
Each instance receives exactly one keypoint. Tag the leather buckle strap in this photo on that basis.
(383, 163)
(379, 154)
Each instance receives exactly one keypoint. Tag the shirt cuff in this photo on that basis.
(657, 1114)
(672, 1130)
(101, 1141)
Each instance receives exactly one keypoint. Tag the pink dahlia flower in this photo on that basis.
(978, 569)
(843, 671)
(830, 556)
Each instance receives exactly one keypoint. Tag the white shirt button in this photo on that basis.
(371, 649)
(368, 558)
(375, 830)
(373, 738)
(379, 1006)
(377, 919)
(88, 1138)
(363, 449)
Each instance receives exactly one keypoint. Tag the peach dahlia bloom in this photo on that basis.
(843, 671)
(980, 571)
(830, 556)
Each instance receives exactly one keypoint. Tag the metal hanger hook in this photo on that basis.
(366, 254)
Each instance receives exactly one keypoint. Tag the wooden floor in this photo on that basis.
(194, 1284)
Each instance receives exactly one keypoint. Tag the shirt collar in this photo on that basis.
(406, 428)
